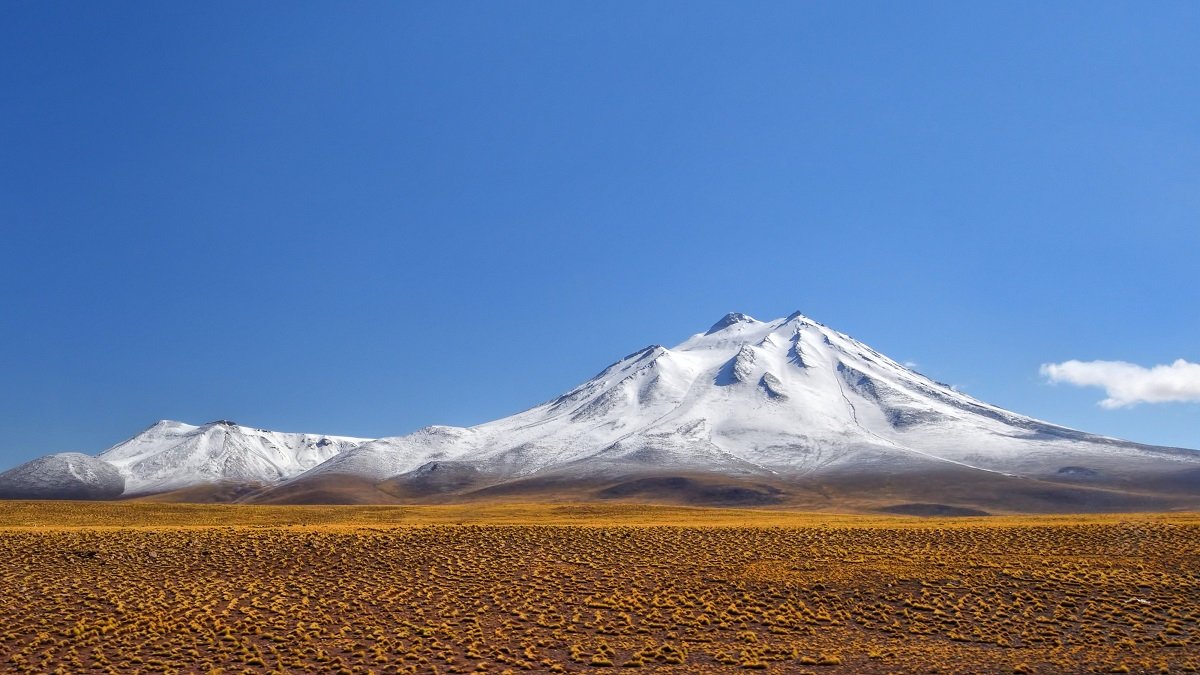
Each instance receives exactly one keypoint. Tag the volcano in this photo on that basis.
(786, 412)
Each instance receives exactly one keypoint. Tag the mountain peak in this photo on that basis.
(729, 320)
(171, 455)
(64, 475)
(788, 401)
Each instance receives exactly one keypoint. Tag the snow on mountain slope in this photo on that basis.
(65, 475)
(783, 402)
(171, 455)
(783, 398)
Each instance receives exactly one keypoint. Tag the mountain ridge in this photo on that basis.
(772, 405)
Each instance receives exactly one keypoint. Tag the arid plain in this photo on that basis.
(143, 587)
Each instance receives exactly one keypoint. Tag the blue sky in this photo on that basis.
(362, 218)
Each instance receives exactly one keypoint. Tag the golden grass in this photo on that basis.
(572, 588)
(142, 515)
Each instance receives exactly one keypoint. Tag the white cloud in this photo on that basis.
(1129, 383)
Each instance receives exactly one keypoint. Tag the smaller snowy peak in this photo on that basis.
(731, 319)
(66, 475)
(798, 317)
(170, 455)
(729, 333)
(168, 427)
(643, 355)
(642, 358)
(386, 457)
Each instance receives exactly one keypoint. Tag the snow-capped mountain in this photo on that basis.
(787, 397)
(65, 475)
(171, 455)
(746, 412)
(781, 400)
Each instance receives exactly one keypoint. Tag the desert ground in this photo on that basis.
(146, 587)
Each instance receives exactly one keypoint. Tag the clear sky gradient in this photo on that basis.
(362, 218)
